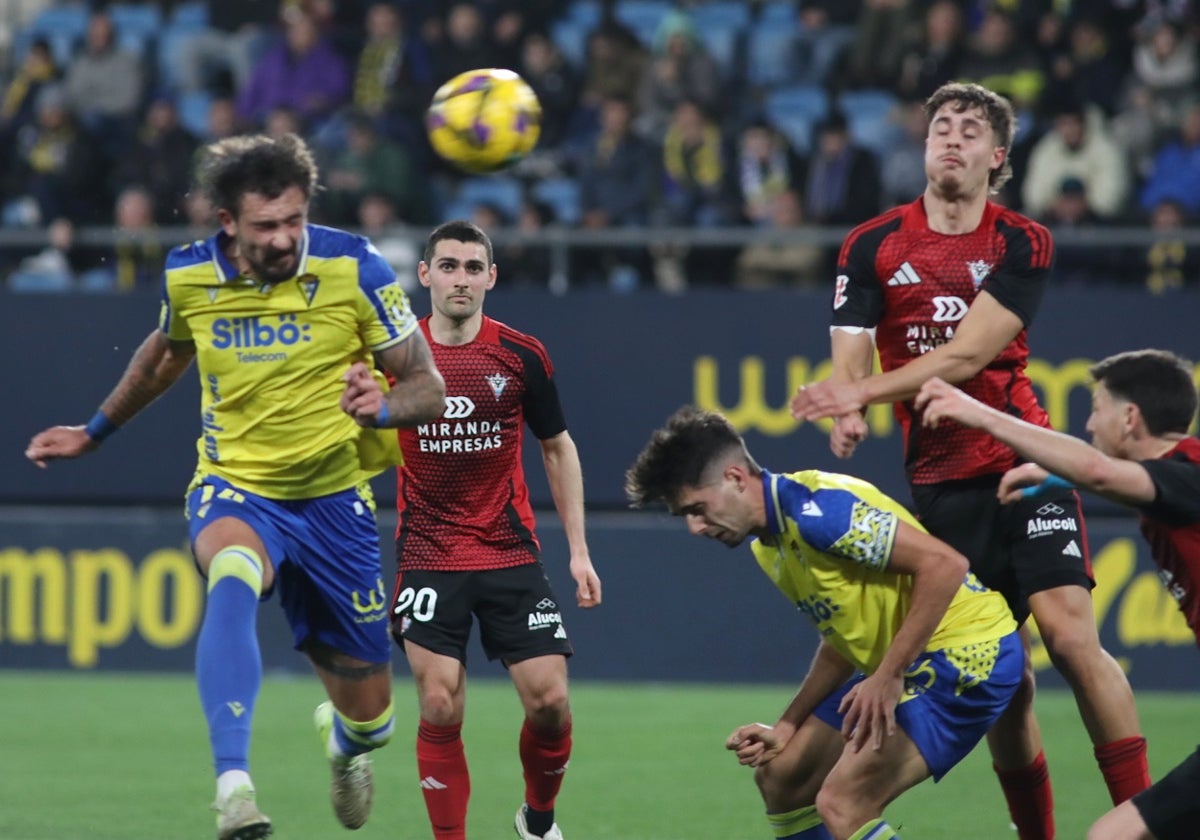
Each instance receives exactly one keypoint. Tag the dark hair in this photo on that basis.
(678, 455)
(458, 230)
(1160, 383)
(1000, 117)
(267, 166)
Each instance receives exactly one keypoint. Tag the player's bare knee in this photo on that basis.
(837, 811)
(548, 707)
(781, 790)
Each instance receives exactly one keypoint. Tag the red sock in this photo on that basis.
(445, 781)
(1030, 799)
(1123, 765)
(544, 757)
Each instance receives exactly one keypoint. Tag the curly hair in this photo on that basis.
(679, 454)
(996, 108)
(267, 166)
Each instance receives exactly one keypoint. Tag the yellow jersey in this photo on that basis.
(271, 359)
(831, 537)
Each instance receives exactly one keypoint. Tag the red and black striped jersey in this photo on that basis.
(462, 497)
(1171, 524)
(913, 286)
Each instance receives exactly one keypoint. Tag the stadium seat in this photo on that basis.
(587, 13)
(502, 191)
(571, 37)
(143, 18)
(810, 101)
(771, 55)
(168, 51)
(193, 110)
(724, 45)
(34, 281)
(62, 45)
(190, 15)
(868, 115)
(68, 19)
(642, 17)
(724, 14)
(796, 127)
(562, 195)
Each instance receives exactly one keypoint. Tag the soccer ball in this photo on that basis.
(484, 120)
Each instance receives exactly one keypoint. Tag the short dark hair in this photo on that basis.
(231, 168)
(1000, 117)
(1161, 384)
(458, 230)
(678, 455)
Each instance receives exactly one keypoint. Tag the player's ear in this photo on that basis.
(999, 155)
(423, 273)
(492, 273)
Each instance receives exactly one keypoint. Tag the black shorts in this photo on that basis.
(519, 617)
(1018, 549)
(1170, 807)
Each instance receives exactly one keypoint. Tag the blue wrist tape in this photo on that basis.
(382, 417)
(100, 427)
(1052, 482)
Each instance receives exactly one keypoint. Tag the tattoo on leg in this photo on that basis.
(333, 661)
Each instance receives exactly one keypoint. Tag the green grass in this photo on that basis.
(104, 757)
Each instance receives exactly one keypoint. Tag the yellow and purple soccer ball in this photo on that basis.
(484, 120)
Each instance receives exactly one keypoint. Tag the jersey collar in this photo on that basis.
(227, 271)
(771, 502)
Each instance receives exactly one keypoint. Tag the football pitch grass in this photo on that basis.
(125, 757)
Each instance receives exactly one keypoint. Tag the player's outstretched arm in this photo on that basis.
(418, 394)
(564, 474)
(984, 332)
(156, 365)
(1063, 455)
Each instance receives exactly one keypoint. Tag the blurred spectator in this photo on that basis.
(554, 82)
(1171, 264)
(161, 160)
(222, 119)
(827, 29)
(1165, 61)
(200, 214)
(1087, 69)
(104, 85)
(465, 44)
(843, 179)
(522, 265)
(1140, 122)
(617, 181)
(680, 71)
(616, 64)
(393, 81)
(237, 31)
(767, 166)
(488, 217)
(303, 73)
(902, 170)
(283, 120)
(370, 164)
(377, 219)
(1077, 264)
(781, 262)
(1078, 146)
(882, 29)
(53, 269)
(136, 259)
(1175, 172)
(19, 106)
(928, 62)
(694, 177)
(999, 59)
(55, 163)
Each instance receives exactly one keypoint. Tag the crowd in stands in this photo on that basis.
(714, 113)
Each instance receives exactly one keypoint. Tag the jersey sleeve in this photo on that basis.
(1020, 280)
(1177, 485)
(542, 408)
(170, 321)
(842, 523)
(857, 293)
(385, 315)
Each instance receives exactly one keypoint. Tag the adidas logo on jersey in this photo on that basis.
(560, 633)
(906, 275)
(1072, 550)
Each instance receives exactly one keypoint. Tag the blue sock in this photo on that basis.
(228, 663)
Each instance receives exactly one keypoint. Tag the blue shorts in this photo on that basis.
(946, 710)
(326, 557)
